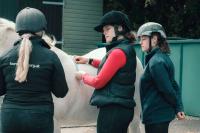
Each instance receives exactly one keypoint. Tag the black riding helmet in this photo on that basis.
(114, 18)
(30, 20)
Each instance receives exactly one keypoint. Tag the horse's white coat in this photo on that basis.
(74, 109)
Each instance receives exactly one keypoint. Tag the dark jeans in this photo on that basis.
(114, 119)
(157, 128)
(26, 121)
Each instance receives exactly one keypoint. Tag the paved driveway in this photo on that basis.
(190, 125)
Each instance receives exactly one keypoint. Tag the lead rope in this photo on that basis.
(76, 66)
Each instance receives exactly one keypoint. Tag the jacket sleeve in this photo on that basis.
(95, 63)
(162, 80)
(2, 83)
(60, 87)
(115, 61)
(179, 106)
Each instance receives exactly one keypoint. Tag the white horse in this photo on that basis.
(74, 110)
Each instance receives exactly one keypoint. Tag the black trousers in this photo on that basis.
(157, 128)
(114, 119)
(26, 121)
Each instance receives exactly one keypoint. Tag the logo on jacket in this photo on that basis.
(30, 65)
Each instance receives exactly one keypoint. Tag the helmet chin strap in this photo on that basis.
(150, 46)
(117, 33)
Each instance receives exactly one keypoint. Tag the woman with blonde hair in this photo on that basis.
(29, 72)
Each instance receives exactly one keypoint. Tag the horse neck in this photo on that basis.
(67, 62)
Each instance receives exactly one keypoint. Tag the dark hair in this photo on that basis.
(162, 43)
(131, 36)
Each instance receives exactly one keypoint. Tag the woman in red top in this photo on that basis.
(114, 83)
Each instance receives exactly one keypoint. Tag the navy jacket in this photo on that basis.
(160, 94)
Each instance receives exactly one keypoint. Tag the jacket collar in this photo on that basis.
(116, 43)
(150, 54)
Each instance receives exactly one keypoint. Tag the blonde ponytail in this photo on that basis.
(23, 59)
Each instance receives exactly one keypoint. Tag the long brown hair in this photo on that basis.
(162, 43)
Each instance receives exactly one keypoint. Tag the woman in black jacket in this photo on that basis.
(160, 94)
(29, 72)
(114, 83)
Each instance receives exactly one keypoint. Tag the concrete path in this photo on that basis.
(190, 125)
